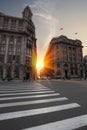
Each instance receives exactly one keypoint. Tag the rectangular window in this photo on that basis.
(2, 58)
(70, 58)
(17, 59)
(11, 48)
(65, 57)
(13, 23)
(2, 47)
(10, 58)
(11, 39)
(5, 22)
(20, 25)
(74, 58)
(3, 39)
(19, 39)
(18, 50)
(71, 71)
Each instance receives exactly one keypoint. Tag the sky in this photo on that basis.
(51, 15)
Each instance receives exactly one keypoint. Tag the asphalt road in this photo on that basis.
(46, 105)
(75, 90)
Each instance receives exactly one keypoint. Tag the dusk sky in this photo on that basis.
(51, 15)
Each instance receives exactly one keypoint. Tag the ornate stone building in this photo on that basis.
(18, 51)
(65, 57)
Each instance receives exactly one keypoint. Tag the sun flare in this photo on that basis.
(39, 65)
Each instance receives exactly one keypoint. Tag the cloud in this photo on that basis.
(48, 25)
(45, 16)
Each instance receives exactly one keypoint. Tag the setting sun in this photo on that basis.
(39, 65)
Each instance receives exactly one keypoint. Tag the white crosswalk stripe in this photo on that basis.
(67, 124)
(18, 114)
(27, 90)
(23, 89)
(44, 101)
(33, 102)
(26, 93)
(31, 96)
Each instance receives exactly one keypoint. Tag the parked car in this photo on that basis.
(57, 77)
(43, 77)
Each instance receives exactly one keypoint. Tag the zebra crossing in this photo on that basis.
(36, 107)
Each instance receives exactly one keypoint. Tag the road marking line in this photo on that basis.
(20, 89)
(11, 94)
(67, 124)
(25, 90)
(18, 114)
(32, 96)
(33, 102)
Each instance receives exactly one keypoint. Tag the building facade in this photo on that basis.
(65, 57)
(85, 65)
(18, 51)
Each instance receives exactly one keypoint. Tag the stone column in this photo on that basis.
(62, 69)
(13, 62)
(69, 71)
(84, 71)
(22, 58)
(5, 59)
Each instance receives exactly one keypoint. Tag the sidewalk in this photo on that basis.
(16, 81)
